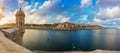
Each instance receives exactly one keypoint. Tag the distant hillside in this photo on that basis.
(11, 25)
(56, 26)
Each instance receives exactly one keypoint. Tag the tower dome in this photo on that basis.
(20, 13)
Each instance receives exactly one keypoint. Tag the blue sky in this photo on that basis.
(98, 12)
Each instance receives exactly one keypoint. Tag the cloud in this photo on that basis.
(49, 12)
(107, 16)
(1, 2)
(52, 11)
(86, 3)
(42, 15)
(62, 18)
(21, 3)
(37, 20)
(1, 12)
(33, 14)
(36, 4)
(108, 3)
(10, 18)
(97, 20)
(46, 4)
(50, 7)
(106, 22)
(109, 12)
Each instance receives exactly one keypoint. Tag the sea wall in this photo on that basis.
(13, 34)
(8, 46)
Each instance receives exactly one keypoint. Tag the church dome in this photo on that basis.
(20, 13)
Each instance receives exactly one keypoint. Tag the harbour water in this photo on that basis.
(85, 40)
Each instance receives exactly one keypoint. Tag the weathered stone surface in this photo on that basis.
(10, 33)
(13, 34)
(7, 46)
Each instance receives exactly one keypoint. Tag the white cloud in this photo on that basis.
(37, 20)
(1, 12)
(21, 3)
(48, 7)
(108, 3)
(112, 13)
(36, 4)
(85, 3)
(1, 2)
(10, 18)
(97, 20)
(109, 12)
(106, 22)
(48, 4)
(35, 15)
(27, 8)
(62, 18)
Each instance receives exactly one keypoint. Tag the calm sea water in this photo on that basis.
(85, 40)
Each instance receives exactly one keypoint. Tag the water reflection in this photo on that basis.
(72, 40)
(105, 39)
(34, 39)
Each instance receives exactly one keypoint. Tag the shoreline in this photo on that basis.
(95, 51)
(57, 26)
(63, 29)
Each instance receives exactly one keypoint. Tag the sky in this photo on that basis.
(97, 12)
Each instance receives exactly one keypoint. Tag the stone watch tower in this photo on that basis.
(20, 22)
